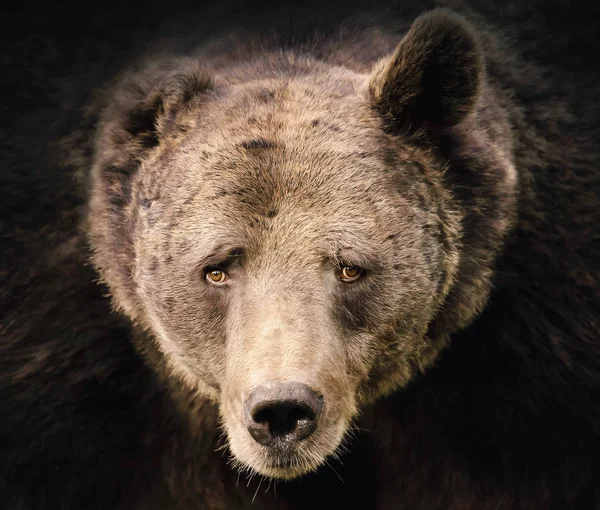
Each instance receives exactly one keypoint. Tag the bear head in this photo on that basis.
(300, 238)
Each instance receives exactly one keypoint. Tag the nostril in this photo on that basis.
(282, 418)
(263, 415)
(298, 413)
(288, 411)
(267, 417)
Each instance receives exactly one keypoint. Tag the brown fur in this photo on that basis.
(407, 146)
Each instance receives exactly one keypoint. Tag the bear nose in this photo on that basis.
(286, 412)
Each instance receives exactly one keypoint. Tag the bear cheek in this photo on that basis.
(189, 325)
(381, 351)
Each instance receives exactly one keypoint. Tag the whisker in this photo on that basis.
(269, 486)
(327, 463)
(257, 489)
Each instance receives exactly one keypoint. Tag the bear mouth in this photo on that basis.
(287, 462)
(288, 468)
(282, 463)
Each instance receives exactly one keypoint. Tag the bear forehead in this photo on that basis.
(283, 159)
(295, 112)
(280, 139)
(255, 174)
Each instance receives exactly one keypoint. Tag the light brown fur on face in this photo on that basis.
(279, 176)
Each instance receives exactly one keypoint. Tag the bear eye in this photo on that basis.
(216, 276)
(350, 273)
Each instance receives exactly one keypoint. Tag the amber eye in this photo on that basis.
(350, 273)
(216, 276)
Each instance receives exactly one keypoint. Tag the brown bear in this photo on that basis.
(352, 265)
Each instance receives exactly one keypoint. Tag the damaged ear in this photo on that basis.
(147, 101)
(433, 78)
(146, 107)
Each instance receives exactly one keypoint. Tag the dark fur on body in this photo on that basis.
(508, 416)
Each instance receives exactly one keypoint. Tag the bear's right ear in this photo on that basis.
(433, 79)
(144, 107)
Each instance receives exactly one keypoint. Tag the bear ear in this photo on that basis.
(146, 107)
(433, 78)
(151, 99)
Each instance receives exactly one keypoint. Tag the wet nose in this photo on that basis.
(286, 412)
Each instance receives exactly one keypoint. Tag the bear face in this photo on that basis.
(286, 230)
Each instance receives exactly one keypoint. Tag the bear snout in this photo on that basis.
(281, 415)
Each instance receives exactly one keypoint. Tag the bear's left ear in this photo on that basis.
(433, 79)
